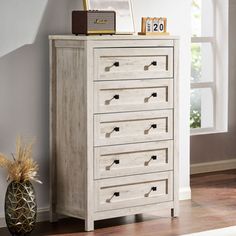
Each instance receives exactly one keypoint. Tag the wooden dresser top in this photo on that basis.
(111, 37)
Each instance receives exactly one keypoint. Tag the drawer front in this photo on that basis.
(133, 63)
(131, 191)
(122, 160)
(133, 127)
(118, 96)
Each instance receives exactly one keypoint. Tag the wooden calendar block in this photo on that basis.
(154, 26)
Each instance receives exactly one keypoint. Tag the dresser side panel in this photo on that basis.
(52, 133)
(175, 210)
(71, 127)
(90, 194)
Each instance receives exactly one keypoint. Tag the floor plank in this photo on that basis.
(213, 206)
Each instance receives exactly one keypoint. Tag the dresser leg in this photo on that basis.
(175, 212)
(89, 225)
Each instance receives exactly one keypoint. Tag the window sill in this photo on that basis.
(206, 131)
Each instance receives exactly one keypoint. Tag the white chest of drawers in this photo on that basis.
(114, 126)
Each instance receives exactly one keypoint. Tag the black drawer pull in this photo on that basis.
(116, 97)
(153, 158)
(154, 126)
(115, 162)
(153, 63)
(117, 129)
(116, 64)
(154, 95)
(153, 189)
(116, 194)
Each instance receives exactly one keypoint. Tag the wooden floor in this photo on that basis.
(213, 206)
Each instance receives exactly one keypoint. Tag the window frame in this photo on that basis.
(219, 85)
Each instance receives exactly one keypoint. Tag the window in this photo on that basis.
(209, 67)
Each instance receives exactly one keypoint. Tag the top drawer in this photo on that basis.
(133, 63)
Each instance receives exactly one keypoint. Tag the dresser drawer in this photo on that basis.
(121, 160)
(133, 191)
(133, 63)
(118, 96)
(133, 127)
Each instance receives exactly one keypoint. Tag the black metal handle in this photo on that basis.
(115, 194)
(117, 162)
(116, 64)
(116, 129)
(154, 95)
(154, 126)
(116, 97)
(154, 63)
(154, 189)
(154, 158)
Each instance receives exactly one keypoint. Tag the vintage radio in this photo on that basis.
(93, 22)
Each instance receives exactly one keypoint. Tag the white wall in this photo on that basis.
(24, 83)
(19, 22)
(24, 95)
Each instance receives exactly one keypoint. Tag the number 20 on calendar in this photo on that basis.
(154, 25)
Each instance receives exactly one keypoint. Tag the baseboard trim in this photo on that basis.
(43, 215)
(207, 167)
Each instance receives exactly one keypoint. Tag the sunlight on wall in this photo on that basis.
(21, 26)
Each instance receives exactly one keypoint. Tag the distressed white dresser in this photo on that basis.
(114, 126)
